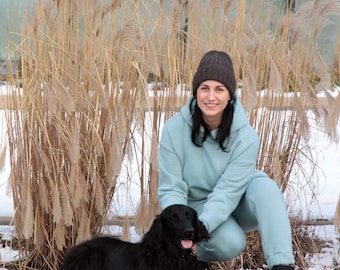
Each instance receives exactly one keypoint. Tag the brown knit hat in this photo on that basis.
(217, 66)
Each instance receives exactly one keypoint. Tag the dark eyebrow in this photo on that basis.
(220, 85)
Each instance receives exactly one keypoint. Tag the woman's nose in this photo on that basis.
(211, 94)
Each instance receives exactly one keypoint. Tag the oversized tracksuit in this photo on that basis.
(229, 194)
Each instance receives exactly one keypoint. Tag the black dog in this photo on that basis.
(166, 246)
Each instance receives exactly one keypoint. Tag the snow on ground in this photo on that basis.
(317, 201)
(329, 258)
(317, 197)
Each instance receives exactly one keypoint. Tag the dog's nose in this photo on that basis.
(189, 232)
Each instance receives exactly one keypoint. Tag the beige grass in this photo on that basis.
(337, 217)
(85, 68)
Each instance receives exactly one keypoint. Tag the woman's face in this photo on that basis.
(212, 99)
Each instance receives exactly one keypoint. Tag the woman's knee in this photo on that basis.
(263, 190)
(222, 247)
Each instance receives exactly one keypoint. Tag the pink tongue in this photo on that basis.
(186, 243)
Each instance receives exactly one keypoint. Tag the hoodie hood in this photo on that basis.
(240, 118)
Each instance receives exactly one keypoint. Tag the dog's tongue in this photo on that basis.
(186, 244)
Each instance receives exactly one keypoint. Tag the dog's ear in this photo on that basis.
(201, 233)
(153, 238)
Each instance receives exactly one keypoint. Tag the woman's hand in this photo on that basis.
(193, 249)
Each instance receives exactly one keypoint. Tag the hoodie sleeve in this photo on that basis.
(232, 184)
(172, 188)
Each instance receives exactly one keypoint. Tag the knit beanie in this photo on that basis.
(217, 66)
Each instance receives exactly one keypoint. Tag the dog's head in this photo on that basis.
(182, 224)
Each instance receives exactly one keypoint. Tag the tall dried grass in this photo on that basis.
(84, 92)
(337, 217)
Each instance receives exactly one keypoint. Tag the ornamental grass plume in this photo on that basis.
(336, 220)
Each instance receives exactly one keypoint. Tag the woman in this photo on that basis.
(207, 158)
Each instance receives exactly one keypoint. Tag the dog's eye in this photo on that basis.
(175, 218)
(188, 215)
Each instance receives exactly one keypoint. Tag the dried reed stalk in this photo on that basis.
(336, 220)
(85, 73)
(71, 131)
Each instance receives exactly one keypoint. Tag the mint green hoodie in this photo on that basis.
(206, 175)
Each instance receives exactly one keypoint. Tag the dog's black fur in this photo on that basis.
(161, 248)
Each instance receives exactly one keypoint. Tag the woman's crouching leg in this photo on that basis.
(263, 205)
(227, 242)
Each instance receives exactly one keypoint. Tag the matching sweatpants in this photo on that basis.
(262, 207)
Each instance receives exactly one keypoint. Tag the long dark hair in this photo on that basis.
(224, 128)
